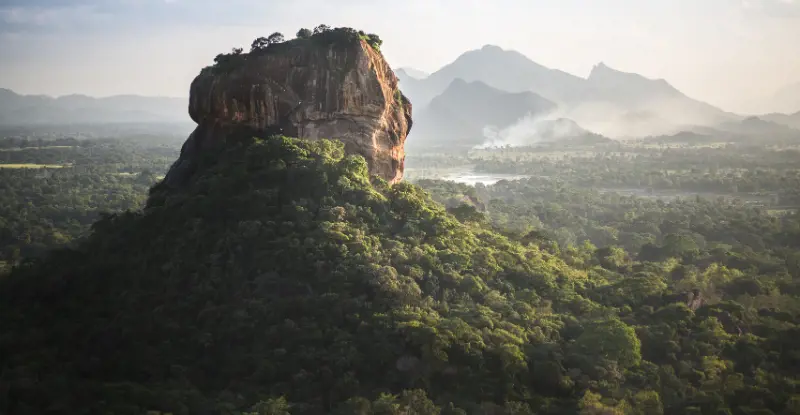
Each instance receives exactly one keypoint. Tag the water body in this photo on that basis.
(463, 174)
(487, 179)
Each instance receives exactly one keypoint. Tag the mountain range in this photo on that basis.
(411, 72)
(16, 109)
(464, 110)
(482, 91)
(505, 70)
(608, 101)
(791, 120)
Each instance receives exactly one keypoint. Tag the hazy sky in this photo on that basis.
(727, 52)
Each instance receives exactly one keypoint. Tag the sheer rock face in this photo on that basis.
(344, 92)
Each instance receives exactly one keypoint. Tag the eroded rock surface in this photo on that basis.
(306, 90)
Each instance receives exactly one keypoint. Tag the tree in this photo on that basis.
(612, 257)
(259, 44)
(678, 244)
(591, 404)
(610, 339)
(467, 213)
(274, 38)
(237, 51)
(321, 29)
(647, 403)
(374, 40)
(304, 33)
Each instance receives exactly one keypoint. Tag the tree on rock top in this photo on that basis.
(321, 29)
(276, 37)
(259, 44)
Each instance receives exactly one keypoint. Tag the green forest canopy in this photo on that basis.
(284, 279)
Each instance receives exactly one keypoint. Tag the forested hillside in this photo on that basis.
(283, 279)
(53, 190)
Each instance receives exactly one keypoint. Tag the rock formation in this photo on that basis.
(303, 88)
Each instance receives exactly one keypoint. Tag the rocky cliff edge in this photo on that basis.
(333, 84)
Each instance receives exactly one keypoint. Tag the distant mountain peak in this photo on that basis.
(603, 71)
(482, 90)
(492, 48)
(511, 71)
(409, 72)
(603, 74)
(461, 82)
(508, 56)
(507, 70)
(460, 87)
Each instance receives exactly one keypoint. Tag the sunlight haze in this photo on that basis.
(427, 207)
(736, 54)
